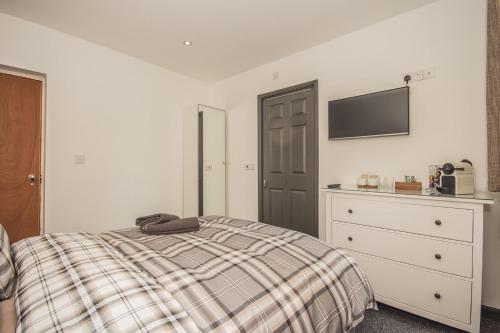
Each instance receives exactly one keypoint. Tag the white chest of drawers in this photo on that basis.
(421, 254)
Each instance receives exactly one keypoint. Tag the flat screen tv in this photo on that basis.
(377, 114)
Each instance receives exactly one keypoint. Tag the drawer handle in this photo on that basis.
(437, 256)
(437, 296)
(349, 238)
(349, 211)
(437, 222)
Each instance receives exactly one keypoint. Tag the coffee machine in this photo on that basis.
(457, 178)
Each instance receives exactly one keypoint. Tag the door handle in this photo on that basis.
(32, 179)
(266, 182)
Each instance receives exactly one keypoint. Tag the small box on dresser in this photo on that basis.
(421, 253)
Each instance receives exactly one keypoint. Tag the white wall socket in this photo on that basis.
(428, 73)
(416, 76)
(423, 74)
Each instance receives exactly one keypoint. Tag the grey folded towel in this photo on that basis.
(172, 227)
(155, 218)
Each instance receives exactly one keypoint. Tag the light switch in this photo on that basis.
(80, 159)
(249, 166)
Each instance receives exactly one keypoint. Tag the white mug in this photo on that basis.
(386, 183)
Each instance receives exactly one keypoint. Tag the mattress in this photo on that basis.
(230, 276)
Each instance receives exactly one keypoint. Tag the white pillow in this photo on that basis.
(7, 273)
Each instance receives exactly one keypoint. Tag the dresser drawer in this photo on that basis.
(416, 250)
(421, 289)
(444, 222)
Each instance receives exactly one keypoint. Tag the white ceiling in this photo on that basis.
(229, 36)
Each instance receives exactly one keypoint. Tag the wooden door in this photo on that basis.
(289, 161)
(20, 155)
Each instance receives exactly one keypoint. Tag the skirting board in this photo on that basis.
(490, 312)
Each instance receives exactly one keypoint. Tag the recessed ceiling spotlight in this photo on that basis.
(188, 43)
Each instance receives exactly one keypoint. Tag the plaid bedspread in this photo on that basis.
(230, 276)
(78, 283)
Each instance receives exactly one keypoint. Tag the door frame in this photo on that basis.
(277, 93)
(5, 69)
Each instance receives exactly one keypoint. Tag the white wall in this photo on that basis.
(123, 114)
(190, 158)
(448, 117)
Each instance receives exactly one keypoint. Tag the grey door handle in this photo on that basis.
(266, 182)
(32, 179)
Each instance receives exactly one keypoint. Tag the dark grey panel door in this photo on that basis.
(289, 162)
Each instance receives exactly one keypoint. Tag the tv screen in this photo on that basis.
(377, 114)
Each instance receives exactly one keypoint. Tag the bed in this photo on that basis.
(230, 276)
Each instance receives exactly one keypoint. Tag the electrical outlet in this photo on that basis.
(423, 74)
(429, 73)
(416, 76)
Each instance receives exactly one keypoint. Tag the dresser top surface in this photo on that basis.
(480, 198)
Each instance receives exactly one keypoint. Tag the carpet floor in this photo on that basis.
(390, 320)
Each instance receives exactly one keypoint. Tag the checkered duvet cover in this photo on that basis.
(230, 276)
